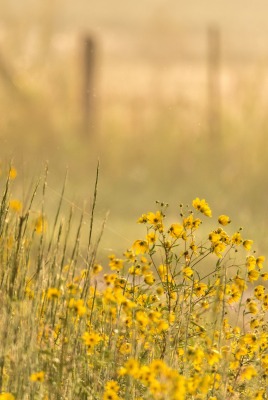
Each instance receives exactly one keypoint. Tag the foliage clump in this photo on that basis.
(182, 314)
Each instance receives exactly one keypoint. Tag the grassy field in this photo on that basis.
(94, 304)
(180, 314)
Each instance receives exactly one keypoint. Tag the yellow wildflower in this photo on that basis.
(15, 205)
(264, 360)
(142, 219)
(202, 206)
(77, 306)
(40, 224)
(145, 269)
(6, 396)
(12, 173)
(236, 331)
(29, 293)
(194, 248)
(154, 316)
(125, 348)
(241, 351)
(236, 239)
(205, 304)
(259, 261)
(234, 294)
(120, 282)
(91, 339)
(259, 395)
(240, 283)
(131, 367)
(162, 325)
(135, 270)
(214, 237)
(250, 263)
(248, 373)
(110, 395)
(195, 354)
(196, 223)
(200, 288)
(188, 222)
(259, 292)
(264, 276)
(151, 237)
(97, 268)
(234, 365)
(218, 248)
(249, 338)
(224, 237)
(112, 385)
(247, 244)
(149, 279)
(176, 230)
(265, 302)
(160, 290)
(205, 383)
(116, 264)
(155, 387)
(213, 356)
(142, 319)
(154, 219)
(73, 288)
(38, 376)
(140, 246)
(254, 323)
(191, 223)
(252, 306)
(143, 260)
(129, 255)
(253, 275)
(224, 220)
(187, 272)
(163, 270)
(53, 293)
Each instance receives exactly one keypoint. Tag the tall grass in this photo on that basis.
(37, 261)
(180, 315)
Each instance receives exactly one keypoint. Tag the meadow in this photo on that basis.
(94, 304)
(180, 314)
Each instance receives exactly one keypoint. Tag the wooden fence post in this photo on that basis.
(214, 87)
(88, 87)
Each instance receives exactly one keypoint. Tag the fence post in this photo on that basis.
(88, 87)
(214, 87)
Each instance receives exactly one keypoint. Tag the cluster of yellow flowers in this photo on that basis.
(197, 316)
(178, 316)
(190, 315)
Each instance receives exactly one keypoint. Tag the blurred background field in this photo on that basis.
(154, 94)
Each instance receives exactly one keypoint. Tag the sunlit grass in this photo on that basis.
(180, 314)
